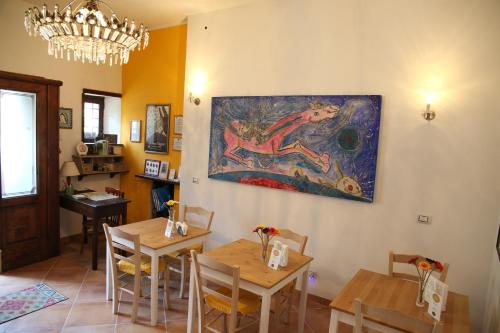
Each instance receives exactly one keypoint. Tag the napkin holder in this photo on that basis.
(182, 228)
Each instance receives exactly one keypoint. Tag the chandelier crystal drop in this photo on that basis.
(84, 33)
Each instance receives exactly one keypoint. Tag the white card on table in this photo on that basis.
(170, 228)
(435, 305)
(434, 285)
(274, 261)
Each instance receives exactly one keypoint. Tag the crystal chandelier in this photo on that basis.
(85, 33)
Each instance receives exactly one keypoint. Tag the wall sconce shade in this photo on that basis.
(193, 99)
(428, 113)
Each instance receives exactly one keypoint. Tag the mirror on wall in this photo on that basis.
(101, 116)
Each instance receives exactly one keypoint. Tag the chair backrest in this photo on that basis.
(405, 259)
(202, 217)
(392, 318)
(201, 264)
(135, 259)
(293, 236)
(114, 220)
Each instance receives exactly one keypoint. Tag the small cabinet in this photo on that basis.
(100, 164)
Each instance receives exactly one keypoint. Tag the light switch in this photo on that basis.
(424, 219)
(196, 180)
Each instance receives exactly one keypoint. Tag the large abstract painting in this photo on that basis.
(324, 145)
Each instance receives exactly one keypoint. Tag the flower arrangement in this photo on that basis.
(425, 267)
(171, 208)
(265, 234)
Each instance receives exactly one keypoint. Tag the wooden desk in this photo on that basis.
(256, 277)
(154, 244)
(398, 294)
(96, 210)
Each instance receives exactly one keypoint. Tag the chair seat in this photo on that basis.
(248, 303)
(129, 268)
(185, 251)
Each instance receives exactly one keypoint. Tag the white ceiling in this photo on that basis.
(156, 13)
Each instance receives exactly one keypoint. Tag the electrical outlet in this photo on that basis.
(424, 219)
(313, 276)
(196, 180)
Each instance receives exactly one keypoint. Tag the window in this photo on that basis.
(93, 117)
(18, 143)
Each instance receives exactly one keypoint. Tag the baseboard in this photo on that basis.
(69, 239)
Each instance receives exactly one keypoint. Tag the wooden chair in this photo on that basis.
(229, 300)
(87, 224)
(391, 316)
(404, 259)
(284, 297)
(134, 265)
(203, 219)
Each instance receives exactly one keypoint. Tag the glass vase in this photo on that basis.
(265, 244)
(420, 295)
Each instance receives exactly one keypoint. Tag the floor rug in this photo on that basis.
(28, 300)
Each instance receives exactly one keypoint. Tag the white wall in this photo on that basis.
(112, 115)
(21, 53)
(397, 48)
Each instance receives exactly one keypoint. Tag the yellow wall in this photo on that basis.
(155, 75)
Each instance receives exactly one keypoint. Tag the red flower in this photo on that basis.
(439, 266)
(265, 230)
(413, 260)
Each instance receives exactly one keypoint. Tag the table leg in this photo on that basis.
(191, 302)
(95, 240)
(303, 301)
(154, 289)
(109, 283)
(264, 313)
(334, 322)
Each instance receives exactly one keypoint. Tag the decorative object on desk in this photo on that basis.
(68, 170)
(324, 145)
(171, 208)
(111, 138)
(169, 231)
(151, 167)
(157, 128)
(65, 118)
(82, 149)
(135, 131)
(102, 147)
(177, 145)
(178, 120)
(265, 234)
(171, 174)
(425, 267)
(117, 149)
(435, 306)
(182, 228)
(163, 174)
(434, 285)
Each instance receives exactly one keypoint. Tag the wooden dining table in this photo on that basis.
(256, 277)
(154, 244)
(394, 293)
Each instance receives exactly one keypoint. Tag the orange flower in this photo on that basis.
(424, 265)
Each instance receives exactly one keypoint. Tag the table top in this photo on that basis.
(152, 233)
(247, 255)
(92, 203)
(395, 293)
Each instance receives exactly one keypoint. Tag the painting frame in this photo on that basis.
(317, 144)
(164, 168)
(66, 118)
(178, 124)
(151, 167)
(135, 130)
(157, 128)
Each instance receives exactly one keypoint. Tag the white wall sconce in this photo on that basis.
(428, 113)
(197, 86)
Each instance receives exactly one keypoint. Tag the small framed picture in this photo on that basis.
(177, 144)
(65, 118)
(151, 167)
(135, 131)
(178, 125)
(171, 174)
(163, 170)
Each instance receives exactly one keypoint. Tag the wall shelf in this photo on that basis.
(158, 179)
(100, 164)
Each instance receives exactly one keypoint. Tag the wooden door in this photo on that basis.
(29, 226)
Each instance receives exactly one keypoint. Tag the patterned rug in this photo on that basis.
(28, 300)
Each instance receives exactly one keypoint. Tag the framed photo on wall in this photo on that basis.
(65, 118)
(151, 167)
(157, 128)
(177, 144)
(178, 124)
(135, 131)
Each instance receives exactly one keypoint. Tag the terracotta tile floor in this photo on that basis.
(86, 310)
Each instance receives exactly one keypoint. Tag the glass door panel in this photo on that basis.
(18, 143)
